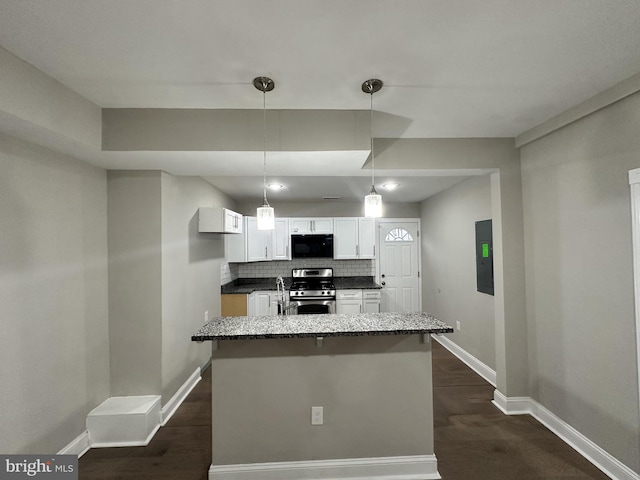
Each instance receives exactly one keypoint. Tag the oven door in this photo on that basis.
(311, 307)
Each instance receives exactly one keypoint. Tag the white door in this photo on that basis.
(399, 265)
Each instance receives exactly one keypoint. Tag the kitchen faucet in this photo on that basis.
(283, 308)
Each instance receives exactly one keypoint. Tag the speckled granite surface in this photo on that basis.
(326, 325)
(249, 285)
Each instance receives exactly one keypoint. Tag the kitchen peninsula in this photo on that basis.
(370, 373)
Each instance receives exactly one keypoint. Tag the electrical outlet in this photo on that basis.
(317, 416)
(457, 325)
(206, 316)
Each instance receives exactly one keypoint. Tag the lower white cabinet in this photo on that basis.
(358, 301)
(349, 301)
(262, 303)
(371, 301)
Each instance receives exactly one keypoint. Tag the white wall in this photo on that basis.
(54, 347)
(579, 279)
(449, 265)
(135, 282)
(163, 276)
(191, 264)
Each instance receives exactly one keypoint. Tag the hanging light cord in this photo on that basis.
(373, 162)
(264, 157)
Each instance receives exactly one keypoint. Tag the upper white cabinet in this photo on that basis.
(252, 245)
(281, 240)
(219, 220)
(354, 238)
(303, 226)
(255, 245)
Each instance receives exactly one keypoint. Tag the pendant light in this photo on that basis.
(373, 200)
(266, 219)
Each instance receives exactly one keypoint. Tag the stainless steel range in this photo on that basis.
(313, 291)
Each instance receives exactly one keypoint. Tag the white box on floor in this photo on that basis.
(124, 421)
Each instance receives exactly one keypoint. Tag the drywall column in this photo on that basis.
(135, 286)
(512, 368)
(498, 156)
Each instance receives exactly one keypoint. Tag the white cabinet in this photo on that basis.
(303, 226)
(219, 220)
(259, 242)
(262, 303)
(281, 240)
(255, 245)
(349, 301)
(252, 245)
(358, 301)
(371, 301)
(354, 238)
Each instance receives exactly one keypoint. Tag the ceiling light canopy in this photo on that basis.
(275, 186)
(266, 218)
(373, 200)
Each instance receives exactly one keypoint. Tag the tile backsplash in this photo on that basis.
(341, 268)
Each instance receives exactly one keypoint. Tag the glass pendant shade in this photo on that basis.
(373, 204)
(373, 200)
(266, 217)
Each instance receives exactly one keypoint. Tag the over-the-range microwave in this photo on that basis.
(312, 246)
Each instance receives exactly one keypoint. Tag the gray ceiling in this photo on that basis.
(462, 68)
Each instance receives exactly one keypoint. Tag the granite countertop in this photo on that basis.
(250, 285)
(323, 325)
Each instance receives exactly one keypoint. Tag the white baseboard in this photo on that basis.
(418, 467)
(609, 465)
(78, 446)
(172, 405)
(512, 405)
(472, 362)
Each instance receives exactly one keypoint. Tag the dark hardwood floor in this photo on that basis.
(473, 439)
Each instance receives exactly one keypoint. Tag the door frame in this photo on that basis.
(634, 184)
(419, 244)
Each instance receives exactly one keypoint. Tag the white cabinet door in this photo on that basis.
(263, 303)
(258, 242)
(354, 238)
(281, 240)
(219, 220)
(345, 238)
(232, 221)
(371, 301)
(349, 301)
(251, 304)
(322, 225)
(349, 306)
(304, 226)
(366, 238)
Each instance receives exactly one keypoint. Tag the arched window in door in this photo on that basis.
(398, 235)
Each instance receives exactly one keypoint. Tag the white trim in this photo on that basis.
(134, 443)
(606, 462)
(78, 446)
(512, 405)
(124, 421)
(634, 182)
(416, 467)
(174, 403)
(603, 99)
(472, 362)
